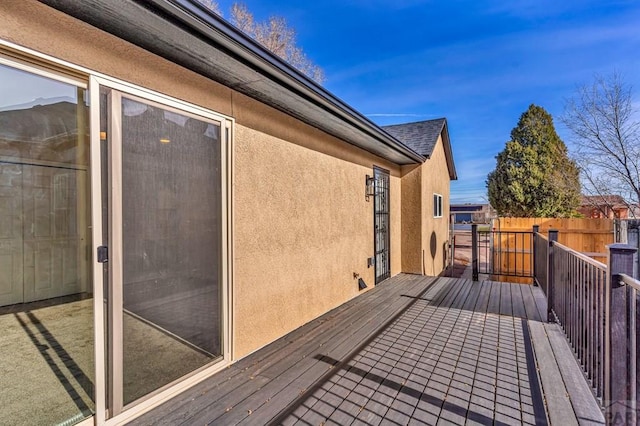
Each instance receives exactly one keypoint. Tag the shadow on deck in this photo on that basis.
(414, 350)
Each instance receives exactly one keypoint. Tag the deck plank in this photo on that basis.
(517, 300)
(482, 304)
(582, 399)
(465, 289)
(506, 307)
(450, 287)
(414, 349)
(474, 294)
(336, 354)
(297, 373)
(559, 407)
(224, 393)
(530, 304)
(540, 302)
(494, 298)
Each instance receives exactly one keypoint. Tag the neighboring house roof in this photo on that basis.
(39, 123)
(187, 33)
(422, 137)
(604, 200)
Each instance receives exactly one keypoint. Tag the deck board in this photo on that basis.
(494, 298)
(517, 300)
(530, 304)
(299, 369)
(506, 307)
(273, 354)
(461, 298)
(559, 406)
(412, 350)
(576, 386)
(540, 302)
(483, 297)
(289, 350)
(474, 294)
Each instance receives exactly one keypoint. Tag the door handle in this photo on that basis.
(103, 254)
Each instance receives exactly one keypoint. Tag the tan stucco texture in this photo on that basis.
(302, 229)
(424, 252)
(435, 231)
(412, 216)
(301, 224)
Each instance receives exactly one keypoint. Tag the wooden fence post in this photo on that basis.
(536, 229)
(474, 251)
(617, 396)
(553, 237)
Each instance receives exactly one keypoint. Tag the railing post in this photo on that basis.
(620, 231)
(536, 229)
(553, 237)
(474, 251)
(617, 396)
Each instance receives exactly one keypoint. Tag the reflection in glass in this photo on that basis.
(172, 239)
(46, 312)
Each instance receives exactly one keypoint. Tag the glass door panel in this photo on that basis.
(165, 300)
(46, 308)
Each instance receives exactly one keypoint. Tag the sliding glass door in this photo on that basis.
(46, 307)
(162, 204)
(113, 212)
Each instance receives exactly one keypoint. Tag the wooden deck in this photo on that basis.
(414, 350)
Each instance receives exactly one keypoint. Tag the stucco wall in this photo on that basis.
(435, 231)
(302, 226)
(411, 219)
(424, 237)
(395, 193)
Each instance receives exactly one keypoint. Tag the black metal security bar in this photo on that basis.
(381, 224)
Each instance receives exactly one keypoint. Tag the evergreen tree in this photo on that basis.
(534, 177)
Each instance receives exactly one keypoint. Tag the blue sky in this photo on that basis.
(478, 63)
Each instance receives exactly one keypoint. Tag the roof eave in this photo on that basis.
(448, 151)
(188, 34)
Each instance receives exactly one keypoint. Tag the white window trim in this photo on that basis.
(438, 209)
(41, 69)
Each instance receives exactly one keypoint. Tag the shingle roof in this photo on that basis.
(608, 199)
(420, 136)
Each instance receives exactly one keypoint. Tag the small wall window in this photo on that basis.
(437, 205)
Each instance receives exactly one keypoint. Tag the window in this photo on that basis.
(437, 205)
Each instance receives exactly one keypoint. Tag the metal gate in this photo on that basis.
(381, 224)
(502, 253)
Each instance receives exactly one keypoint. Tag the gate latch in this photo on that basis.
(103, 254)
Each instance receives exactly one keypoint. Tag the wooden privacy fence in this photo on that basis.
(512, 242)
(587, 236)
(597, 306)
